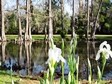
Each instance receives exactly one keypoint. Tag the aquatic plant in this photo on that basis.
(104, 53)
(55, 56)
(99, 75)
(45, 80)
(62, 79)
(90, 72)
(73, 63)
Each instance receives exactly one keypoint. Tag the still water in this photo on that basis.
(28, 58)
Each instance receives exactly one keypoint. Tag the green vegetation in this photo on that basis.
(39, 19)
(91, 22)
(57, 37)
(5, 78)
(35, 37)
(104, 37)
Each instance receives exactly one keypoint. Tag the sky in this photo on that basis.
(9, 4)
(68, 7)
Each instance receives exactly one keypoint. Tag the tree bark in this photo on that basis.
(19, 22)
(45, 31)
(96, 20)
(30, 19)
(62, 14)
(50, 22)
(2, 27)
(87, 32)
(73, 20)
(27, 21)
(80, 6)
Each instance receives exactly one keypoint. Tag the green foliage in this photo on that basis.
(57, 23)
(90, 72)
(38, 21)
(63, 33)
(105, 18)
(107, 25)
(73, 63)
(11, 24)
(99, 75)
(5, 78)
(102, 18)
(81, 25)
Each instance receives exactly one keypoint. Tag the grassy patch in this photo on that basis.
(35, 37)
(104, 37)
(57, 37)
(5, 78)
(11, 37)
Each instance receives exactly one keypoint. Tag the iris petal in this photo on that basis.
(98, 55)
(102, 44)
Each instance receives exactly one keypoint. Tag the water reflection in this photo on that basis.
(88, 51)
(3, 55)
(20, 57)
(29, 58)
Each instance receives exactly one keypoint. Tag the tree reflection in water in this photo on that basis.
(3, 55)
(29, 58)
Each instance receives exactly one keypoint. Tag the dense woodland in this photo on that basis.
(28, 17)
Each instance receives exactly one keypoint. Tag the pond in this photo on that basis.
(28, 58)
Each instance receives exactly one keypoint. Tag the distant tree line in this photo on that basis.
(93, 17)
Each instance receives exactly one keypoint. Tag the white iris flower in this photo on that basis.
(105, 49)
(54, 55)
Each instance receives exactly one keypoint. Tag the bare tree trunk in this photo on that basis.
(27, 21)
(30, 19)
(80, 6)
(3, 37)
(19, 22)
(96, 20)
(73, 20)
(45, 31)
(87, 31)
(50, 21)
(62, 14)
(91, 17)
